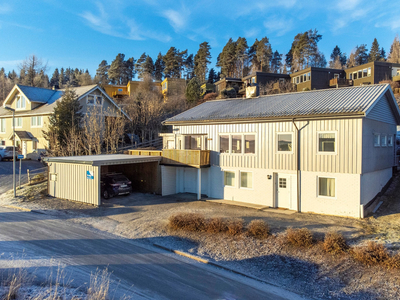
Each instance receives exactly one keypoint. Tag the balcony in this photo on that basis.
(182, 158)
(340, 82)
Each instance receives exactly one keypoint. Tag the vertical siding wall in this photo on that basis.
(347, 158)
(72, 183)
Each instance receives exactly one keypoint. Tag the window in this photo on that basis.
(224, 144)
(2, 142)
(250, 143)
(94, 100)
(90, 100)
(34, 145)
(99, 100)
(377, 139)
(282, 183)
(18, 122)
(284, 142)
(365, 73)
(326, 187)
(355, 75)
(305, 77)
(359, 75)
(253, 80)
(36, 121)
(119, 90)
(335, 75)
(2, 125)
(193, 142)
(229, 178)
(383, 140)
(297, 79)
(246, 180)
(390, 140)
(369, 71)
(294, 79)
(350, 76)
(236, 144)
(20, 102)
(309, 76)
(301, 79)
(326, 142)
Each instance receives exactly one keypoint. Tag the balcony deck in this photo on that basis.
(183, 158)
(340, 82)
(396, 78)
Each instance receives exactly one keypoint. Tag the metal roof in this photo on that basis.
(104, 159)
(342, 101)
(36, 94)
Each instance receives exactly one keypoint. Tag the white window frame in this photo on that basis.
(229, 143)
(234, 181)
(384, 137)
(240, 180)
(366, 73)
(390, 139)
(326, 197)
(22, 105)
(16, 123)
(3, 129)
(36, 123)
(243, 141)
(277, 143)
(327, 152)
(369, 72)
(94, 100)
(379, 140)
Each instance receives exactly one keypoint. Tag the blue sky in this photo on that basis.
(80, 34)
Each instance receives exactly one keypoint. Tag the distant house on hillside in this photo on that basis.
(373, 73)
(329, 151)
(314, 78)
(121, 91)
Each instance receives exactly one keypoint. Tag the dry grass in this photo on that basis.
(15, 282)
(99, 285)
(188, 221)
(235, 226)
(216, 225)
(299, 237)
(371, 254)
(258, 229)
(334, 243)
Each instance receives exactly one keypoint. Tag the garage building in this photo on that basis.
(78, 178)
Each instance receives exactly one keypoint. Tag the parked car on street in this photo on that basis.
(6, 152)
(115, 184)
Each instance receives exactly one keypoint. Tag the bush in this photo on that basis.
(187, 221)
(258, 229)
(235, 226)
(228, 93)
(335, 243)
(215, 225)
(301, 237)
(210, 96)
(371, 254)
(394, 262)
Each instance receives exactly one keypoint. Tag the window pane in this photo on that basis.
(39, 121)
(365, 73)
(229, 178)
(236, 144)
(359, 74)
(377, 140)
(224, 144)
(33, 121)
(390, 140)
(99, 100)
(309, 76)
(246, 180)
(195, 142)
(327, 187)
(355, 75)
(369, 72)
(284, 142)
(22, 102)
(250, 144)
(326, 142)
(90, 99)
(187, 142)
(383, 140)
(301, 79)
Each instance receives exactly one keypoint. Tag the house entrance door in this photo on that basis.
(283, 193)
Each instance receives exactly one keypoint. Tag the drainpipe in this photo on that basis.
(297, 165)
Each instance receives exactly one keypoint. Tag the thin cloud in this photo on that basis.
(5, 9)
(279, 26)
(177, 19)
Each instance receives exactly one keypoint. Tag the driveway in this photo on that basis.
(6, 171)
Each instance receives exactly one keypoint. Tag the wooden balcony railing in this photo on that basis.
(340, 82)
(173, 157)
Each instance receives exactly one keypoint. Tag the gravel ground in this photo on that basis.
(310, 272)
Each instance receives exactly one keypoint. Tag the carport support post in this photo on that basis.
(198, 184)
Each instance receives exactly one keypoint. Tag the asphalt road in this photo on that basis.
(6, 171)
(36, 241)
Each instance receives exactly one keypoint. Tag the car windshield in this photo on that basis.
(120, 178)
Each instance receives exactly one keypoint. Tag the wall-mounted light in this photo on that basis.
(269, 176)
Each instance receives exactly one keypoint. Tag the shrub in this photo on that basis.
(187, 221)
(301, 237)
(215, 225)
(371, 254)
(210, 96)
(228, 93)
(394, 262)
(235, 226)
(335, 243)
(258, 229)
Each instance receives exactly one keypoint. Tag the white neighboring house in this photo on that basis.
(327, 151)
(33, 108)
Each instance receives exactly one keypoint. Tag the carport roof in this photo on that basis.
(104, 159)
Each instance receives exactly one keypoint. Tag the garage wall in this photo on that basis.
(145, 177)
(168, 180)
(69, 181)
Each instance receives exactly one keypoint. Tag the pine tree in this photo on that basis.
(212, 77)
(394, 54)
(102, 73)
(227, 59)
(148, 66)
(55, 79)
(375, 52)
(174, 62)
(264, 54)
(128, 71)
(61, 78)
(139, 65)
(32, 67)
(192, 92)
(383, 54)
(189, 67)
(361, 54)
(117, 70)
(159, 67)
(338, 59)
(276, 62)
(304, 52)
(201, 61)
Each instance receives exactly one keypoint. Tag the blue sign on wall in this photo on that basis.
(20, 156)
(89, 175)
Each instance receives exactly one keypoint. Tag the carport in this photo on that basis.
(78, 178)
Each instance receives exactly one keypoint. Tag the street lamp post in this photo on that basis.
(13, 126)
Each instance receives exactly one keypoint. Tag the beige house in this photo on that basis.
(33, 107)
(326, 151)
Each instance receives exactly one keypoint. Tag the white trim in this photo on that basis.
(5, 125)
(327, 152)
(37, 126)
(277, 142)
(240, 180)
(326, 197)
(234, 180)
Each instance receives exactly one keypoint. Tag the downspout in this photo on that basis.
(298, 165)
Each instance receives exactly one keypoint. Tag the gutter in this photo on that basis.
(298, 165)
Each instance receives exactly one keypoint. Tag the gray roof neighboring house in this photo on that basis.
(321, 103)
